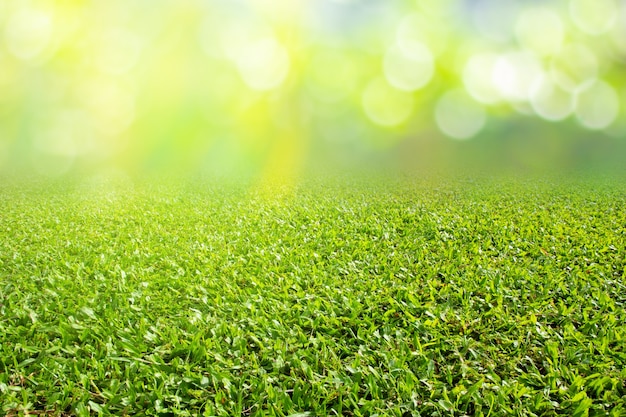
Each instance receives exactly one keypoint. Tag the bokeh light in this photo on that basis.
(28, 32)
(477, 76)
(272, 87)
(540, 30)
(458, 116)
(597, 105)
(409, 68)
(574, 67)
(594, 16)
(514, 74)
(385, 105)
(550, 101)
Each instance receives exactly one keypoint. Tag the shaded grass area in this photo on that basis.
(350, 298)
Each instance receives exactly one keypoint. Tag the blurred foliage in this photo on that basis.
(272, 86)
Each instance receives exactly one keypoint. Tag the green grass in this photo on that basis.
(400, 298)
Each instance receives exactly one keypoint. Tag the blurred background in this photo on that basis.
(273, 88)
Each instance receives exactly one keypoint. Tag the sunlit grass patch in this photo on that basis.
(391, 297)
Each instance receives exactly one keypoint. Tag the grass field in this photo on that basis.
(359, 298)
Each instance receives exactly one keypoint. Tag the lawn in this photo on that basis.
(400, 297)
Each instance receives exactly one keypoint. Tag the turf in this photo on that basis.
(355, 298)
